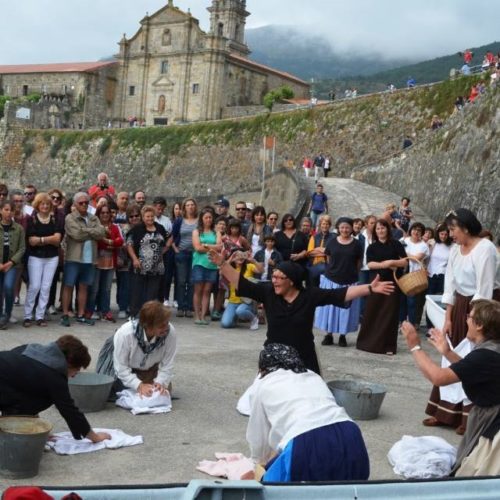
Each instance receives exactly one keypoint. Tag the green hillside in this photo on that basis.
(434, 70)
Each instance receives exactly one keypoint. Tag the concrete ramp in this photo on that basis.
(347, 197)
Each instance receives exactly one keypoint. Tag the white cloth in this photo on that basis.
(472, 274)
(454, 393)
(230, 465)
(286, 404)
(128, 355)
(63, 443)
(439, 259)
(414, 249)
(165, 222)
(28, 210)
(131, 400)
(422, 457)
(368, 242)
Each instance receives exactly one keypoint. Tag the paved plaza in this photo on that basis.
(213, 368)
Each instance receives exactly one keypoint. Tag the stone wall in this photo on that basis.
(242, 111)
(458, 166)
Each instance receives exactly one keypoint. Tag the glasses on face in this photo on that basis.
(56, 198)
(83, 203)
(29, 193)
(134, 216)
(241, 208)
(288, 220)
(273, 218)
(4, 193)
(278, 277)
(17, 201)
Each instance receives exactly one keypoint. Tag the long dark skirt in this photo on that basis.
(335, 452)
(379, 329)
(143, 287)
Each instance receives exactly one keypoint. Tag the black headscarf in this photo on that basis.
(294, 272)
(275, 356)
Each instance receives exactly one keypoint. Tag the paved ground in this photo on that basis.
(348, 197)
(213, 368)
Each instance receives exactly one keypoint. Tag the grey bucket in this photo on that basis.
(22, 441)
(362, 400)
(90, 391)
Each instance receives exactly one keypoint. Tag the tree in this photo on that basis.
(277, 95)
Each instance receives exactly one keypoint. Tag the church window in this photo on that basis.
(161, 104)
(196, 88)
(166, 38)
(164, 67)
(220, 29)
(131, 90)
(25, 90)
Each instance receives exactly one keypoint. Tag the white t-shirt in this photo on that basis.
(439, 259)
(415, 249)
(267, 256)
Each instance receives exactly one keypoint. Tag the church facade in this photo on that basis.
(171, 71)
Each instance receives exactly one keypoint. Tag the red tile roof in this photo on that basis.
(78, 67)
(267, 69)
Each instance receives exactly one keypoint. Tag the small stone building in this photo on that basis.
(170, 71)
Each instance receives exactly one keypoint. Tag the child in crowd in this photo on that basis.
(269, 257)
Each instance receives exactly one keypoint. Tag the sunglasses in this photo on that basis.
(29, 193)
(241, 208)
(4, 193)
(134, 216)
(56, 198)
(83, 203)
(288, 220)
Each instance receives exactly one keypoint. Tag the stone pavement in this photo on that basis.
(213, 368)
(347, 197)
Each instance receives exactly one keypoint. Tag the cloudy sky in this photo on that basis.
(36, 31)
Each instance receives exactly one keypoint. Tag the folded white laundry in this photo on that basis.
(157, 403)
(63, 443)
(422, 457)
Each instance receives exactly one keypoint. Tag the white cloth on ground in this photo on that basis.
(422, 457)
(454, 393)
(230, 465)
(63, 443)
(131, 400)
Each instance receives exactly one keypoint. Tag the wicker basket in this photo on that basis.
(415, 282)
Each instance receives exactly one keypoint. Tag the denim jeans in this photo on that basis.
(123, 290)
(314, 272)
(169, 262)
(407, 309)
(7, 282)
(315, 217)
(183, 285)
(99, 293)
(236, 311)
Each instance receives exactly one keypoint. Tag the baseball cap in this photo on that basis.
(250, 205)
(222, 202)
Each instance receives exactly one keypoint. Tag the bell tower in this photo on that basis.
(227, 20)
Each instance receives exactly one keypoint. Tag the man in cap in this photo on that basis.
(222, 207)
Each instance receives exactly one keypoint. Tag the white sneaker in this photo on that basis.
(166, 303)
(122, 315)
(12, 320)
(95, 316)
(174, 304)
(254, 325)
(52, 310)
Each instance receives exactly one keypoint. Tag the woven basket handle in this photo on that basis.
(408, 258)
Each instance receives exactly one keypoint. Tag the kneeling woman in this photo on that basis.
(479, 373)
(296, 419)
(142, 352)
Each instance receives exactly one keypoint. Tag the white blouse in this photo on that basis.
(128, 355)
(414, 249)
(473, 274)
(285, 405)
(439, 259)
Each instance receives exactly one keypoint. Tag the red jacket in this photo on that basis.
(116, 237)
(97, 191)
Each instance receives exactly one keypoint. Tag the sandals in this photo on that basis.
(432, 422)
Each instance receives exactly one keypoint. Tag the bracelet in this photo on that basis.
(416, 348)
(370, 289)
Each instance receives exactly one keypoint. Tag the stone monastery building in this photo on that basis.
(170, 71)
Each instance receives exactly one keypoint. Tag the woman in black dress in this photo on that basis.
(379, 328)
(290, 242)
(289, 307)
